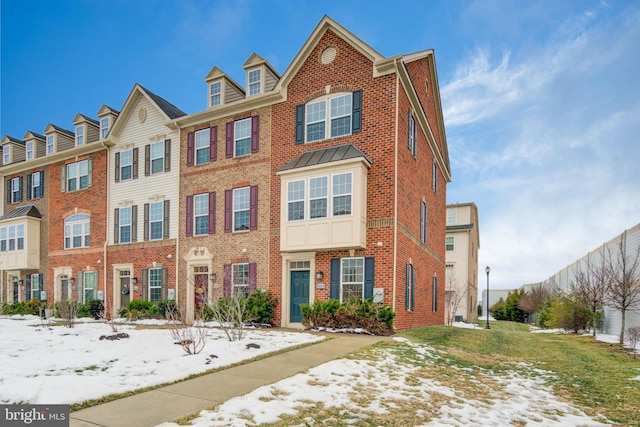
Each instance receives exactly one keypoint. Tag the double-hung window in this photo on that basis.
(295, 200)
(16, 189)
(156, 215)
(255, 82)
(90, 285)
(318, 197)
(329, 118)
(410, 288)
(450, 240)
(202, 144)
(242, 137)
(78, 175)
(157, 157)
(104, 127)
(452, 216)
(124, 224)
(201, 214)
(77, 231)
(240, 279)
(12, 238)
(126, 164)
(434, 176)
(50, 144)
(215, 92)
(35, 286)
(3, 239)
(80, 135)
(155, 284)
(29, 150)
(412, 142)
(434, 294)
(241, 205)
(6, 155)
(342, 192)
(352, 278)
(424, 221)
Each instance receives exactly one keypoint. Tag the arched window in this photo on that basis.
(76, 231)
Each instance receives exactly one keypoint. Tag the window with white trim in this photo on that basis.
(157, 157)
(452, 216)
(413, 135)
(126, 165)
(156, 215)
(450, 243)
(328, 118)
(201, 214)
(295, 200)
(51, 144)
(12, 238)
(318, 197)
(255, 82)
(124, 224)
(202, 145)
(6, 154)
(35, 286)
(29, 150)
(322, 198)
(215, 94)
(242, 137)
(80, 135)
(424, 221)
(351, 278)
(16, 189)
(90, 285)
(104, 127)
(78, 175)
(434, 294)
(342, 192)
(77, 231)
(240, 279)
(449, 272)
(241, 208)
(155, 284)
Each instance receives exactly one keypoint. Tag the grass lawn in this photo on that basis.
(595, 376)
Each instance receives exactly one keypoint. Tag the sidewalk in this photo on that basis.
(177, 400)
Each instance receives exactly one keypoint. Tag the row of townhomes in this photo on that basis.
(325, 181)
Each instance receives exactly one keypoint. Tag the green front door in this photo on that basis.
(299, 294)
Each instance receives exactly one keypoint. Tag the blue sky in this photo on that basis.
(541, 99)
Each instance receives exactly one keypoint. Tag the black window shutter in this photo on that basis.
(145, 226)
(167, 155)
(413, 288)
(41, 191)
(334, 280)
(190, 148)
(228, 202)
(28, 289)
(422, 221)
(252, 277)
(356, 113)
(145, 285)
(300, 124)
(89, 172)
(409, 133)
(165, 222)
(255, 134)
(229, 140)
(189, 219)
(164, 284)
(253, 207)
(9, 201)
(29, 186)
(213, 144)
(117, 162)
(369, 276)
(226, 280)
(19, 189)
(40, 276)
(134, 223)
(63, 179)
(134, 172)
(116, 225)
(212, 213)
(147, 160)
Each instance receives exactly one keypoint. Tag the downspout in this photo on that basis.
(395, 193)
(106, 240)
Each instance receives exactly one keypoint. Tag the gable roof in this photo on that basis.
(51, 127)
(7, 139)
(20, 211)
(82, 118)
(325, 155)
(105, 109)
(168, 108)
(33, 135)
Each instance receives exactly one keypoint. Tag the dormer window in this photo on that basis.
(6, 155)
(104, 127)
(255, 82)
(29, 150)
(215, 94)
(50, 144)
(79, 135)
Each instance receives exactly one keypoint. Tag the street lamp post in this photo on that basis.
(488, 270)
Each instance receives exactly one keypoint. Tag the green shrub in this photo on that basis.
(83, 310)
(140, 309)
(261, 307)
(168, 307)
(355, 314)
(96, 308)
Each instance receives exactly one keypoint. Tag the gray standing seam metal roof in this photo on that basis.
(459, 227)
(169, 109)
(20, 211)
(325, 155)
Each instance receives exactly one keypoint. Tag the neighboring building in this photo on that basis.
(142, 207)
(562, 280)
(462, 245)
(495, 295)
(328, 181)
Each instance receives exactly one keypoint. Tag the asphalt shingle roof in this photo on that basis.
(169, 109)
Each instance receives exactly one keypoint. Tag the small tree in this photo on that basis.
(192, 338)
(68, 311)
(532, 300)
(589, 287)
(456, 293)
(568, 313)
(633, 335)
(622, 274)
(231, 315)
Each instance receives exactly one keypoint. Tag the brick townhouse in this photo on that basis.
(326, 181)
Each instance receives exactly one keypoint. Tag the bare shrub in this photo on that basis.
(633, 335)
(192, 338)
(68, 311)
(231, 314)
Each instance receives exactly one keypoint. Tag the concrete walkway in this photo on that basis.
(178, 400)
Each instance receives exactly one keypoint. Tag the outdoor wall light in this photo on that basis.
(213, 276)
(134, 280)
(72, 280)
(20, 282)
(319, 275)
(244, 250)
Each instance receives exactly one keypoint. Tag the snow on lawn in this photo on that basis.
(54, 364)
(407, 387)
